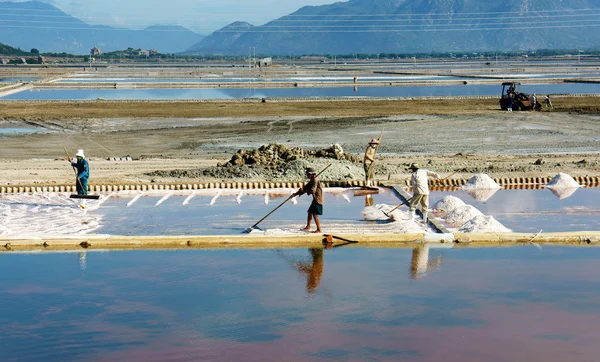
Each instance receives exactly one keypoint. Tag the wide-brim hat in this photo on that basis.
(79, 154)
(310, 171)
(414, 166)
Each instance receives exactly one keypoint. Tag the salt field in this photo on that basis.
(347, 303)
(230, 212)
(313, 92)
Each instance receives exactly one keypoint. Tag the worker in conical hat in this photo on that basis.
(83, 172)
(369, 160)
(418, 181)
(314, 188)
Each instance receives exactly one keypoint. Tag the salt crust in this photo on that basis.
(447, 204)
(45, 214)
(460, 215)
(481, 181)
(483, 224)
(562, 180)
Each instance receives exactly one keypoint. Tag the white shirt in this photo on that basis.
(418, 180)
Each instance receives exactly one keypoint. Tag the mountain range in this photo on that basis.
(416, 26)
(40, 25)
(350, 27)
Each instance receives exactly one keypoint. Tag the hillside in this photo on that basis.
(411, 26)
(8, 50)
(38, 28)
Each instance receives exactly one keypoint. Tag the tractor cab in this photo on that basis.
(520, 101)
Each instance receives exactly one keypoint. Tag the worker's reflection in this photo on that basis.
(420, 263)
(369, 201)
(82, 260)
(312, 270)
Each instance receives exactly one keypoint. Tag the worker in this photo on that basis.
(533, 101)
(548, 102)
(420, 187)
(369, 160)
(510, 103)
(314, 188)
(83, 173)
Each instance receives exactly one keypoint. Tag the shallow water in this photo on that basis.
(352, 304)
(333, 92)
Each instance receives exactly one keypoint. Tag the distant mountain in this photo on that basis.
(8, 50)
(40, 25)
(223, 38)
(413, 26)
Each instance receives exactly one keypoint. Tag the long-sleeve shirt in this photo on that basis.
(83, 168)
(419, 183)
(314, 188)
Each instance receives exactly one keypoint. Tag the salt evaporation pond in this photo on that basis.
(208, 79)
(535, 210)
(313, 92)
(347, 303)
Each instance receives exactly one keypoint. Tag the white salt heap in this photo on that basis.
(447, 204)
(483, 224)
(460, 215)
(562, 180)
(481, 181)
(376, 212)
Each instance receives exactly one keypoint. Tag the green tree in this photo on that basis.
(34, 51)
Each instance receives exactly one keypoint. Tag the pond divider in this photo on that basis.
(119, 242)
(506, 182)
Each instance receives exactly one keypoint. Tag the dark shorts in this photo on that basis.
(315, 208)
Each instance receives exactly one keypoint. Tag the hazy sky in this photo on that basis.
(203, 16)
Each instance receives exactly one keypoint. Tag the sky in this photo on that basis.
(201, 16)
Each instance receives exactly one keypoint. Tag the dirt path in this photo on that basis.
(498, 143)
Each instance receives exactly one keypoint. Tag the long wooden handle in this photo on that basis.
(272, 211)
(394, 209)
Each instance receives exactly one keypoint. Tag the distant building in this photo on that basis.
(22, 61)
(95, 51)
(3, 61)
(144, 53)
(41, 59)
(154, 52)
(265, 62)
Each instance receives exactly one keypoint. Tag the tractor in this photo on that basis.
(521, 101)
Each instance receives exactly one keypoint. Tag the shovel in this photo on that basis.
(248, 230)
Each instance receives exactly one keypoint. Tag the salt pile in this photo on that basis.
(459, 216)
(481, 181)
(562, 180)
(376, 212)
(483, 224)
(447, 204)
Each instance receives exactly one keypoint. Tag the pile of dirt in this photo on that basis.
(278, 162)
(275, 155)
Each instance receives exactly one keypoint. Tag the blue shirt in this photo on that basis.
(83, 168)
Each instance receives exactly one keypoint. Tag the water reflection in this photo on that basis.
(564, 192)
(420, 263)
(482, 194)
(311, 269)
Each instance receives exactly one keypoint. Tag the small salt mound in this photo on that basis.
(483, 224)
(562, 180)
(481, 181)
(447, 204)
(376, 212)
(460, 215)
